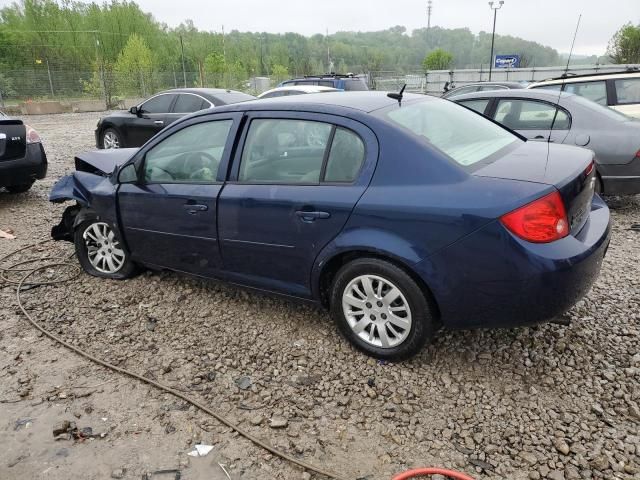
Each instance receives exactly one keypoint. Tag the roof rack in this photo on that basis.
(580, 75)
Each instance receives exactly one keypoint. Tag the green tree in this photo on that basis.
(279, 73)
(215, 68)
(438, 59)
(624, 47)
(134, 68)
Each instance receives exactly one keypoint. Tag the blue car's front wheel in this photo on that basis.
(100, 251)
(381, 309)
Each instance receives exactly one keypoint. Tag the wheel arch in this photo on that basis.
(108, 125)
(332, 265)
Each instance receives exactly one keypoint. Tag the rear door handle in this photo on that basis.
(194, 208)
(159, 122)
(309, 217)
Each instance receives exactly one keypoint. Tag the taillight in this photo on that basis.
(32, 135)
(638, 154)
(541, 221)
(589, 169)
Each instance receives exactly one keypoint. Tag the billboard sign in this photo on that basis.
(507, 61)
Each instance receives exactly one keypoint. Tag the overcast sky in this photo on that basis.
(550, 22)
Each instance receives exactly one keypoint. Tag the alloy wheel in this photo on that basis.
(110, 140)
(377, 311)
(103, 248)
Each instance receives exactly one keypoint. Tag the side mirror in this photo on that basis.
(128, 174)
(135, 111)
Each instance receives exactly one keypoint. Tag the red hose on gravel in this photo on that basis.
(421, 472)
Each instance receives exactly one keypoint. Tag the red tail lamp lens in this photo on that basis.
(541, 221)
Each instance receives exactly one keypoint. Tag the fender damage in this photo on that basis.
(92, 188)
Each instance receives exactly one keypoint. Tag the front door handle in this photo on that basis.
(193, 208)
(159, 122)
(538, 137)
(309, 217)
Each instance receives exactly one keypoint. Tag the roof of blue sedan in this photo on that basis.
(363, 101)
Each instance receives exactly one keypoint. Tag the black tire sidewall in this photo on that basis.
(422, 325)
(21, 188)
(127, 270)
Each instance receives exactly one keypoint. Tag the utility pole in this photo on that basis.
(429, 9)
(328, 53)
(495, 6)
(184, 72)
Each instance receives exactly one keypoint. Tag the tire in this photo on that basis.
(417, 318)
(110, 139)
(23, 187)
(108, 257)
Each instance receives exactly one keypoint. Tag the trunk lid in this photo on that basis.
(561, 166)
(13, 141)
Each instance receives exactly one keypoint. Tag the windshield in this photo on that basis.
(462, 134)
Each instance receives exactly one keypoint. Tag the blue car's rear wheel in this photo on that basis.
(381, 309)
(100, 251)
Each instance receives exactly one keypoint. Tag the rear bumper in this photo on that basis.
(621, 185)
(31, 167)
(493, 279)
(621, 179)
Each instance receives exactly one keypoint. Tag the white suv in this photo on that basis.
(620, 91)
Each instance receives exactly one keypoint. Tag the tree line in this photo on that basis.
(115, 48)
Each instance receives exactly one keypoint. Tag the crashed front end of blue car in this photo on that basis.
(92, 188)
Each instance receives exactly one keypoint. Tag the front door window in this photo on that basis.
(191, 155)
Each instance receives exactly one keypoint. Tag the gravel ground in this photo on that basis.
(530, 403)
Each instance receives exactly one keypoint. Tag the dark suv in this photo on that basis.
(22, 158)
(347, 82)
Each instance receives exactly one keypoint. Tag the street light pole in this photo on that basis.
(495, 6)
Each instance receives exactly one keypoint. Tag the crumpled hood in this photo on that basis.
(103, 162)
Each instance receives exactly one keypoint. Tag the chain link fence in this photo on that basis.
(44, 83)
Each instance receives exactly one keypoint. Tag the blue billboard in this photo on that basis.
(507, 61)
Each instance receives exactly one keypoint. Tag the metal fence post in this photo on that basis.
(50, 81)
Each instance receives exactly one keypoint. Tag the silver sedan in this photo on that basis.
(570, 119)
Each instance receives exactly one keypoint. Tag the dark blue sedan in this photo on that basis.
(399, 217)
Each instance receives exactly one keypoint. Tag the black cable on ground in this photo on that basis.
(55, 262)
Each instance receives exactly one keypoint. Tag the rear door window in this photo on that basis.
(158, 104)
(628, 90)
(594, 91)
(284, 151)
(187, 103)
(530, 115)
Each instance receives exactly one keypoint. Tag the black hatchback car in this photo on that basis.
(137, 125)
(22, 157)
